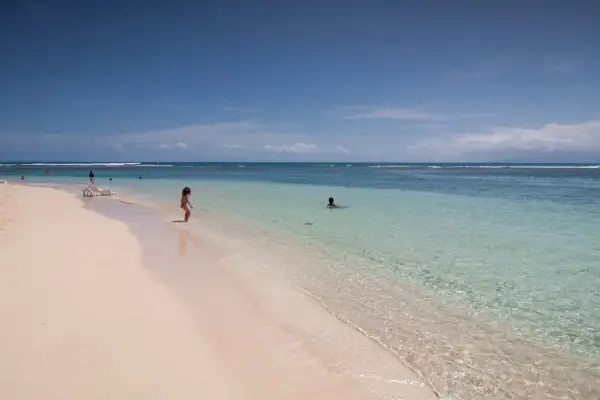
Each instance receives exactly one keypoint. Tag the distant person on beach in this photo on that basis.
(185, 202)
(110, 179)
(22, 177)
(331, 203)
(91, 175)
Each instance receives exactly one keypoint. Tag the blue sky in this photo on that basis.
(300, 80)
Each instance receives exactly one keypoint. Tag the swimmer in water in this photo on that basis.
(331, 203)
(185, 202)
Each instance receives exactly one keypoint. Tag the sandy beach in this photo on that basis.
(80, 318)
(83, 317)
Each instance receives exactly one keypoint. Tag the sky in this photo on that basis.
(371, 80)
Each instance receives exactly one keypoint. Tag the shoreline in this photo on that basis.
(128, 317)
(464, 356)
(346, 351)
(447, 345)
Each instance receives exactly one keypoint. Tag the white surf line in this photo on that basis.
(395, 381)
(402, 359)
(3, 182)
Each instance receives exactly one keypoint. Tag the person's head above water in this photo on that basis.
(186, 190)
(331, 202)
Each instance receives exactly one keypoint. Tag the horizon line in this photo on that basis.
(131, 162)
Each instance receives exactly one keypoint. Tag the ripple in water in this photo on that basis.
(461, 352)
(486, 297)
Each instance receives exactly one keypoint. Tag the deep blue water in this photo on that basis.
(573, 184)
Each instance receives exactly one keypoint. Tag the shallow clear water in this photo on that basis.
(485, 279)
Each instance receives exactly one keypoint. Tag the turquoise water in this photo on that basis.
(485, 278)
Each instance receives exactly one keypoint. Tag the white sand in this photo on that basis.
(80, 318)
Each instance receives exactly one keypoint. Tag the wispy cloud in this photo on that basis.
(406, 114)
(218, 134)
(342, 149)
(306, 148)
(246, 137)
(583, 137)
(176, 145)
(293, 148)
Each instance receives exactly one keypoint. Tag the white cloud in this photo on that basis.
(167, 146)
(181, 145)
(293, 148)
(583, 137)
(304, 148)
(244, 134)
(405, 114)
(191, 132)
(342, 149)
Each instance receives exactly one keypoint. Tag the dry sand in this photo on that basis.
(81, 318)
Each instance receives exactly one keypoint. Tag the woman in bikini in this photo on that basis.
(185, 202)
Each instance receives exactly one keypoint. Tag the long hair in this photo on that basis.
(186, 190)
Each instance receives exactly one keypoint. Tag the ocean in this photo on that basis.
(485, 278)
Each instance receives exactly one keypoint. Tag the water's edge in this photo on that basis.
(151, 227)
(460, 351)
(542, 370)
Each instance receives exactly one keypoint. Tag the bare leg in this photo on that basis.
(187, 212)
